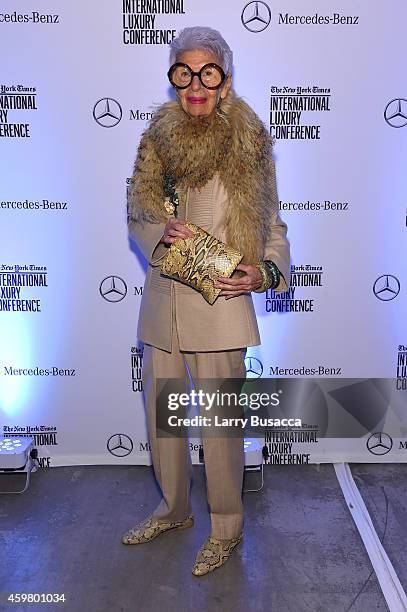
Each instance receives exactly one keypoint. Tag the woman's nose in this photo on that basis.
(196, 83)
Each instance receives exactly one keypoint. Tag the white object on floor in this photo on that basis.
(389, 583)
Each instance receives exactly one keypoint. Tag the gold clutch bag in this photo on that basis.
(199, 261)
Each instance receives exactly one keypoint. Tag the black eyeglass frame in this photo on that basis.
(198, 74)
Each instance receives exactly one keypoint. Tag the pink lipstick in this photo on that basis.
(195, 100)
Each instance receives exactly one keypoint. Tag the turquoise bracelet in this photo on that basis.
(274, 272)
(270, 275)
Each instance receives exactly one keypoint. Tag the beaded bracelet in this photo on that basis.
(270, 275)
(275, 273)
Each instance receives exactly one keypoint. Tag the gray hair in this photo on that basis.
(200, 37)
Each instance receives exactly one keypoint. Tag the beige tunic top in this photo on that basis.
(227, 324)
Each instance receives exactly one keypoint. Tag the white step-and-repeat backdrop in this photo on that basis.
(79, 82)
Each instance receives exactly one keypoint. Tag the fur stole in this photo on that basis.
(231, 141)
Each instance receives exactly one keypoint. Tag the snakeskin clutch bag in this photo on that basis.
(199, 261)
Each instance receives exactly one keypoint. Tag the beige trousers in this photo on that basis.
(224, 457)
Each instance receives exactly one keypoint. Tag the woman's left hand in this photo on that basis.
(232, 287)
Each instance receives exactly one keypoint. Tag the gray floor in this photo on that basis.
(384, 491)
(301, 549)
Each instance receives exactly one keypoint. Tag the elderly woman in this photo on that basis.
(212, 152)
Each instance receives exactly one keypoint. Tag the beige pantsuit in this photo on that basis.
(181, 330)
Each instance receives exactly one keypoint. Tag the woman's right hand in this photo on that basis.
(175, 229)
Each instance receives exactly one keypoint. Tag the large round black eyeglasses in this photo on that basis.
(210, 75)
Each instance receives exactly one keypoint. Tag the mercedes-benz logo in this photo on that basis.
(254, 367)
(107, 112)
(379, 443)
(386, 287)
(120, 445)
(395, 113)
(256, 16)
(113, 289)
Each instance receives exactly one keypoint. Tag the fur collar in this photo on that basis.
(231, 141)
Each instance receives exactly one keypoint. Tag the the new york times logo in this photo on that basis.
(287, 105)
(287, 301)
(136, 361)
(43, 435)
(15, 98)
(14, 281)
(139, 21)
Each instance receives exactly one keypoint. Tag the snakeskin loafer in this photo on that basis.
(151, 528)
(214, 553)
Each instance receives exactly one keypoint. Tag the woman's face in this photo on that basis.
(196, 100)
